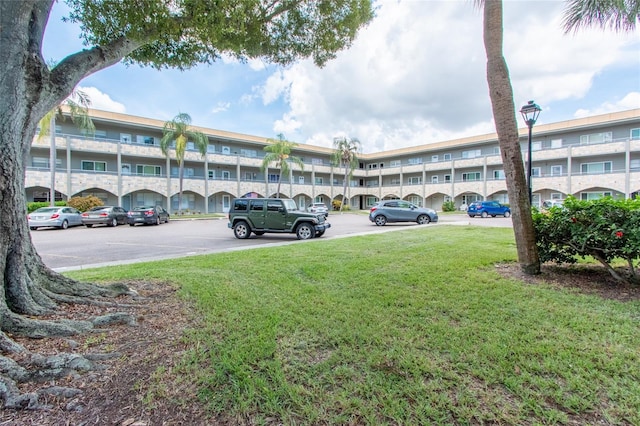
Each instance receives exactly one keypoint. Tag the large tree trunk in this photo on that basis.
(29, 90)
(501, 94)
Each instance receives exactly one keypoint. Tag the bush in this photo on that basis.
(85, 203)
(606, 229)
(35, 205)
(448, 206)
(335, 205)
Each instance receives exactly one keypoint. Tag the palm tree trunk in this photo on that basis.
(501, 94)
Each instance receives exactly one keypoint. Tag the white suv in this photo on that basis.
(319, 208)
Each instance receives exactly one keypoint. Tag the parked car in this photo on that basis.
(547, 204)
(56, 217)
(274, 215)
(319, 208)
(147, 215)
(488, 208)
(400, 211)
(105, 215)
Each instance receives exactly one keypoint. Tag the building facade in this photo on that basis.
(122, 164)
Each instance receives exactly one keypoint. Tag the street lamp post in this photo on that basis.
(530, 113)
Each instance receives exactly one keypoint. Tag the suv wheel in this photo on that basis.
(507, 214)
(241, 230)
(380, 220)
(305, 231)
(484, 214)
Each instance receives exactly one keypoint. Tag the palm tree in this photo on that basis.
(346, 155)
(504, 116)
(616, 14)
(179, 130)
(279, 152)
(78, 104)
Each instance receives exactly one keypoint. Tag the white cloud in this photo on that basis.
(221, 107)
(417, 74)
(630, 101)
(102, 101)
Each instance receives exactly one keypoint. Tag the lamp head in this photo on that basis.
(530, 113)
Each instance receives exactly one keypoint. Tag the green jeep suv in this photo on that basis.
(274, 215)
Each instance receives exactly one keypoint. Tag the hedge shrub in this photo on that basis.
(607, 229)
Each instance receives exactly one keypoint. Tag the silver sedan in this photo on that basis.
(54, 217)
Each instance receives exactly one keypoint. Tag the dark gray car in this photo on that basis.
(104, 215)
(389, 211)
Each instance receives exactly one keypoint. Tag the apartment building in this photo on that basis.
(121, 163)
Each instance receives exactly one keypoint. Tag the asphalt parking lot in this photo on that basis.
(81, 248)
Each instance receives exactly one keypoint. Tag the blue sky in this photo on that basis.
(414, 76)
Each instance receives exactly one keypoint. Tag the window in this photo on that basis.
(434, 158)
(371, 201)
(318, 181)
(188, 171)
(273, 177)
(226, 150)
(498, 175)
(447, 178)
(413, 161)
(226, 175)
(146, 140)
(536, 146)
(97, 166)
(594, 195)
(395, 163)
(635, 134)
(591, 168)
(434, 179)
(211, 174)
(467, 177)
(248, 176)
(145, 170)
(125, 169)
(373, 166)
(125, 138)
(556, 170)
(395, 181)
(249, 153)
(416, 180)
(634, 164)
(274, 205)
(188, 202)
(240, 205)
(556, 196)
(317, 161)
(40, 162)
(211, 149)
(414, 199)
(257, 205)
(596, 138)
(471, 154)
(98, 134)
(536, 172)
(447, 157)
(556, 143)
(496, 150)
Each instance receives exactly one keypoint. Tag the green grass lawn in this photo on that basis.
(410, 327)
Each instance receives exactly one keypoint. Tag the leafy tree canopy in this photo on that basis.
(184, 33)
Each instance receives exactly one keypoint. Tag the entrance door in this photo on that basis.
(226, 203)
